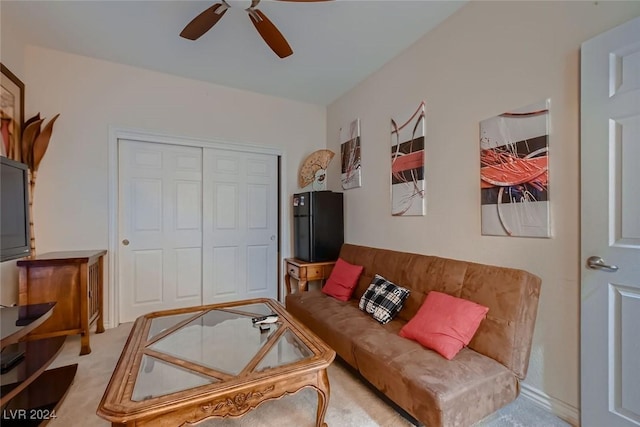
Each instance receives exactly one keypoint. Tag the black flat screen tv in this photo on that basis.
(14, 210)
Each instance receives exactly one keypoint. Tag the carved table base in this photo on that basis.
(238, 403)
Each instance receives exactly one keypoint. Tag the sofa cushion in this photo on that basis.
(332, 320)
(445, 323)
(383, 299)
(342, 280)
(437, 391)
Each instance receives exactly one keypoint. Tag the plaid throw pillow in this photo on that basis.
(383, 299)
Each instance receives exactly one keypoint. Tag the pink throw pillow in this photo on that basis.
(343, 280)
(445, 323)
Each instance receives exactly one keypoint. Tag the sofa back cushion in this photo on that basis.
(510, 294)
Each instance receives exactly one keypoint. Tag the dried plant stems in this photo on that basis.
(32, 186)
(31, 150)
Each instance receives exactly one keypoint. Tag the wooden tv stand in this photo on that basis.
(75, 281)
(30, 394)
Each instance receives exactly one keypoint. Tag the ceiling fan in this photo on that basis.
(271, 35)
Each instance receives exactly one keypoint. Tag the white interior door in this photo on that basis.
(610, 181)
(240, 226)
(160, 227)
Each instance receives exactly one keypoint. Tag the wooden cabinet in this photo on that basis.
(74, 281)
(305, 272)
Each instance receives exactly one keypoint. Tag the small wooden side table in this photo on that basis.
(72, 279)
(304, 272)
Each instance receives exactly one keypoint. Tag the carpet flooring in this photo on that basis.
(352, 404)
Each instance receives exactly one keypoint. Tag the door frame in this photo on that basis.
(117, 133)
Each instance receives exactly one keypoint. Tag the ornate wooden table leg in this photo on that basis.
(287, 278)
(323, 398)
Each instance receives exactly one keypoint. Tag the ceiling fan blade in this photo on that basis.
(270, 33)
(203, 22)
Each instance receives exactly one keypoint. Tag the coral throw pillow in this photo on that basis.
(343, 280)
(445, 323)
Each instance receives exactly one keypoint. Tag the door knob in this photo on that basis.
(597, 263)
(125, 242)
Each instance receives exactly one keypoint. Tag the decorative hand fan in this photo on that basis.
(316, 161)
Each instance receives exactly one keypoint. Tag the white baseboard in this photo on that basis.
(558, 408)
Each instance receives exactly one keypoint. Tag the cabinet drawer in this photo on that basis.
(314, 273)
(293, 271)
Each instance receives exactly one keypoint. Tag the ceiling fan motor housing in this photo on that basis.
(239, 4)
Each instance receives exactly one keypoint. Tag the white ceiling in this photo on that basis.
(336, 44)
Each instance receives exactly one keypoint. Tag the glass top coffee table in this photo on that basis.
(186, 365)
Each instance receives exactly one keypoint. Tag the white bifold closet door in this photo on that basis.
(240, 244)
(196, 226)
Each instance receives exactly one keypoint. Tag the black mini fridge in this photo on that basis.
(318, 225)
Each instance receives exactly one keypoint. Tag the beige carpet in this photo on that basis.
(352, 404)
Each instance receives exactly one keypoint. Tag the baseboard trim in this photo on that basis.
(557, 407)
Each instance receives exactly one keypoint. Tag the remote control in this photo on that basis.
(271, 318)
(10, 359)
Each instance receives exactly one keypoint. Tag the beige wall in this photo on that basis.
(487, 58)
(71, 194)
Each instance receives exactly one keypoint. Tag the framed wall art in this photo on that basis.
(407, 164)
(351, 175)
(514, 172)
(11, 113)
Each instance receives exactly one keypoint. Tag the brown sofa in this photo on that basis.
(479, 380)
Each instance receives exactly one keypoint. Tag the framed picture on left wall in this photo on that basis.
(11, 113)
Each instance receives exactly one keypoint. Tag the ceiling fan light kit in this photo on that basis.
(267, 30)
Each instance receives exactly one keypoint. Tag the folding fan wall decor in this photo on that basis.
(314, 170)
